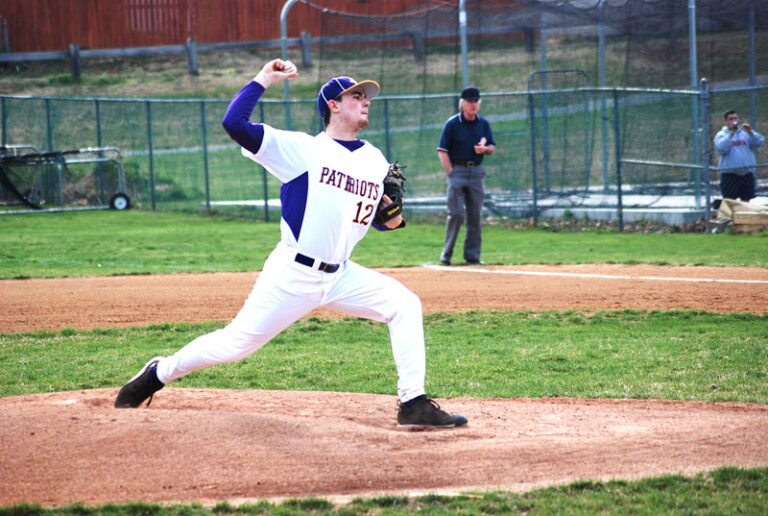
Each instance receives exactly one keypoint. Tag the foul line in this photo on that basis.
(581, 275)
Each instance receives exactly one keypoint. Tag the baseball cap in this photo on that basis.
(470, 93)
(341, 85)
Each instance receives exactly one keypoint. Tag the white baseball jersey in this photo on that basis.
(329, 194)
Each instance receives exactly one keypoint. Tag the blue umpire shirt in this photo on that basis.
(461, 135)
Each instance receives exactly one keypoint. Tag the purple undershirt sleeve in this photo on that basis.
(237, 122)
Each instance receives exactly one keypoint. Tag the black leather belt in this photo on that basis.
(310, 262)
(465, 163)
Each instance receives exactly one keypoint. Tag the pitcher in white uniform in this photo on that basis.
(332, 185)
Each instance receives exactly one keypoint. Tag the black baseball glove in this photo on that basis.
(393, 188)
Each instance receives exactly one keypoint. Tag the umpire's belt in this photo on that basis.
(310, 262)
(465, 163)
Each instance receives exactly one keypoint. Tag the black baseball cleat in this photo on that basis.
(426, 413)
(142, 386)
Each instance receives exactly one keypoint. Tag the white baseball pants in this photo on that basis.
(286, 290)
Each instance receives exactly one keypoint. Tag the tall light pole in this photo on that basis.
(463, 37)
(284, 36)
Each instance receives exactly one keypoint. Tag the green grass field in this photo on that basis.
(141, 242)
(722, 491)
(676, 355)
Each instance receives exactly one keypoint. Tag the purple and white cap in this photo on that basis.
(341, 85)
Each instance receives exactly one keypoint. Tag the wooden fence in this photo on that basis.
(53, 25)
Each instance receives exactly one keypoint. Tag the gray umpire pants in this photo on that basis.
(464, 201)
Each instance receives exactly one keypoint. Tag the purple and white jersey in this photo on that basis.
(329, 193)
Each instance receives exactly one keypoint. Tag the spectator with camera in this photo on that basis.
(736, 144)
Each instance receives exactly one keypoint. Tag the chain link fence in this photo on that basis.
(586, 143)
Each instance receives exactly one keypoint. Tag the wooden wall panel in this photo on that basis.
(42, 25)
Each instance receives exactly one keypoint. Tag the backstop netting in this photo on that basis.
(539, 66)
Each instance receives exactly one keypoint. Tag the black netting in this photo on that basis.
(646, 41)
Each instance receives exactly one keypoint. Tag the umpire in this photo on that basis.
(465, 141)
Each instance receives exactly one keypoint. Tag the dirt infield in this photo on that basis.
(51, 304)
(212, 445)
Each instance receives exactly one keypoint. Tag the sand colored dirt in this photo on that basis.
(106, 302)
(212, 445)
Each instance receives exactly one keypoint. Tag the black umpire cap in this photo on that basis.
(470, 93)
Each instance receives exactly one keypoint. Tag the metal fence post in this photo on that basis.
(704, 99)
(387, 134)
(603, 99)
(60, 171)
(532, 124)
(695, 124)
(5, 122)
(100, 166)
(284, 44)
(617, 139)
(97, 105)
(49, 175)
(752, 108)
(48, 124)
(463, 39)
(151, 156)
(545, 115)
(205, 156)
(586, 135)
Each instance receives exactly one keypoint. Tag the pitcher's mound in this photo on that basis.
(212, 445)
